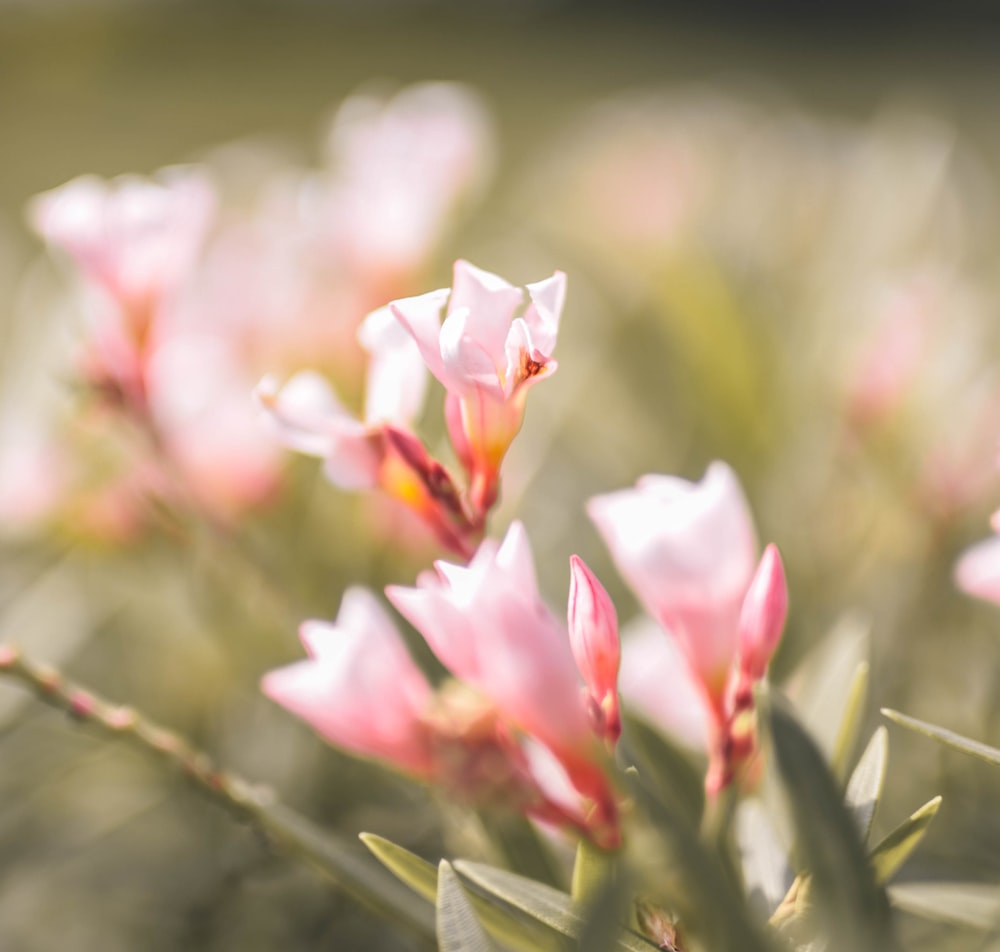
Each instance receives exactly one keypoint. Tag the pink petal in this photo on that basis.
(978, 570)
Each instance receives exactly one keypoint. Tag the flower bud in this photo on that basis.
(593, 636)
(762, 618)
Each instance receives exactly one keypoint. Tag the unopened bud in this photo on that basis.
(762, 618)
(593, 637)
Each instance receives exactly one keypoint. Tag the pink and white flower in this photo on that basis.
(360, 689)
(689, 552)
(490, 628)
(487, 342)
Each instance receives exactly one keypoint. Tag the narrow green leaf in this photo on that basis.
(694, 882)
(423, 878)
(976, 905)
(850, 721)
(458, 929)
(537, 902)
(864, 789)
(852, 909)
(895, 849)
(670, 771)
(944, 736)
(606, 907)
(350, 868)
(416, 872)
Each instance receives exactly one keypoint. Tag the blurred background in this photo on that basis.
(779, 231)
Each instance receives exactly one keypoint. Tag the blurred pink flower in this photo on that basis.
(688, 550)
(487, 356)
(135, 238)
(360, 688)
(978, 570)
(397, 169)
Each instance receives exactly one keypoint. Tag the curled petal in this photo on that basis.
(397, 375)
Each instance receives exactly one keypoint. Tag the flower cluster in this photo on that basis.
(487, 342)
(189, 294)
(531, 709)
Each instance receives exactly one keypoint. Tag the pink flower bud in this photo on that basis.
(762, 618)
(593, 636)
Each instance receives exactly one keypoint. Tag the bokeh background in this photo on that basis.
(780, 232)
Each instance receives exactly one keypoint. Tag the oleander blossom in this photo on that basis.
(362, 692)
(487, 342)
(379, 451)
(689, 552)
(489, 626)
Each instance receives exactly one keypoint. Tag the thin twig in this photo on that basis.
(323, 850)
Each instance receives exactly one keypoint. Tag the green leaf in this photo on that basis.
(416, 872)
(693, 881)
(944, 736)
(828, 689)
(975, 905)
(850, 721)
(864, 789)
(349, 867)
(422, 877)
(458, 929)
(852, 909)
(895, 849)
(669, 770)
(537, 902)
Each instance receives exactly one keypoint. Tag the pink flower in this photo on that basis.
(488, 625)
(978, 570)
(134, 237)
(399, 167)
(381, 451)
(593, 636)
(688, 551)
(360, 688)
(487, 354)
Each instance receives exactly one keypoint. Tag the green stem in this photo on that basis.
(337, 860)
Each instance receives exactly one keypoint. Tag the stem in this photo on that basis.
(326, 853)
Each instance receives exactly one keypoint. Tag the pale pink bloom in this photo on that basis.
(978, 570)
(487, 342)
(762, 618)
(398, 167)
(489, 627)
(311, 419)
(360, 688)
(593, 637)
(200, 400)
(136, 238)
(688, 550)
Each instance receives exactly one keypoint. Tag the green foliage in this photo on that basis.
(896, 848)
(851, 909)
(458, 929)
(944, 736)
